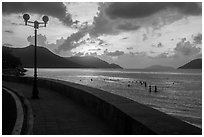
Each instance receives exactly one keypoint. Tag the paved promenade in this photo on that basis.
(56, 114)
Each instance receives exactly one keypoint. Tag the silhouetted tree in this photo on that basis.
(8, 60)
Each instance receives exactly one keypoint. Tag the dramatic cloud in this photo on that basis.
(128, 27)
(130, 10)
(55, 9)
(41, 40)
(57, 43)
(125, 38)
(145, 37)
(164, 55)
(116, 18)
(116, 53)
(9, 31)
(7, 45)
(141, 54)
(72, 41)
(98, 49)
(198, 39)
(78, 54)
(101, 42)
(101, 23)
(186, 48)
(91, 54)
(159, 45)
(183, 49)
(129, 48)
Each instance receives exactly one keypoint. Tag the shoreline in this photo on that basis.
(183, 118)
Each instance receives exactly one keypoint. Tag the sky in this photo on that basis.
(130, 34)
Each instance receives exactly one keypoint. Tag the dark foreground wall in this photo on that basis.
(124, 115)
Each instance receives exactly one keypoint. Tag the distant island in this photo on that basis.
(194, 64)
(47, 59)
(159, 67)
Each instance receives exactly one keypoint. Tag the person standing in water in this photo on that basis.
(150, 88)
(145, 84)
(155, 88)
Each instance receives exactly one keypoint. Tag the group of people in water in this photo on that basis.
(152, 88)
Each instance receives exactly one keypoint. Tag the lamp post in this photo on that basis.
(36, 26)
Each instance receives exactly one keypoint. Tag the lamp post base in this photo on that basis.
(35, 93)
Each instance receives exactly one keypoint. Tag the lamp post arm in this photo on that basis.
(30, 25)
(41, 22)
(30, 21)
(41, 26)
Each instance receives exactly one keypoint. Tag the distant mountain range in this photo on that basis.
(194, 64)
(47, 59)
(158, 67)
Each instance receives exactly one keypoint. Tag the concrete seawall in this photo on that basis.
(124, 115)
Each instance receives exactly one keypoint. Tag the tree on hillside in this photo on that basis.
(8, 60)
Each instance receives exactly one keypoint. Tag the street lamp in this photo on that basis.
(36, 26)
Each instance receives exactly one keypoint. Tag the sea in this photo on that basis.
(179, 92)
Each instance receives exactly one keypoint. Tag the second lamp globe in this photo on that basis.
(45, 19)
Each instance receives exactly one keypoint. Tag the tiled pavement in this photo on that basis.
(56, 114)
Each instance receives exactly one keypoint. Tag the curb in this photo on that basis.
(25, 120)
(20, 115)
